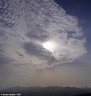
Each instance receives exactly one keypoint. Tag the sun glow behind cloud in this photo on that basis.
(28, 23)
(49, 46)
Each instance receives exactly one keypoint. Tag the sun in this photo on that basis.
(49, 46)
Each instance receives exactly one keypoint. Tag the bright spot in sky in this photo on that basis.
(49, 46)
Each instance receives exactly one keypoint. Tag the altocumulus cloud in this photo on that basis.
(26, 24)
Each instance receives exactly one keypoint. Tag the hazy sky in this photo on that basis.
(45, 43)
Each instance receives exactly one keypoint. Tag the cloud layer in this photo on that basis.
(26, 24)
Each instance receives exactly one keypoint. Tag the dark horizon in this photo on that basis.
(47, 91)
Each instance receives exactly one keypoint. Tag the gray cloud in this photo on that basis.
(36, 50)
(2, 47)
(19, 54)
(4, 60)
(2, 33)
(6, 24)
(38, 34)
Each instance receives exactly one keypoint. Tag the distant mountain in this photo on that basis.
(61, 91)
(13, 89)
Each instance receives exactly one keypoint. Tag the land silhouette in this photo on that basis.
(46, 91)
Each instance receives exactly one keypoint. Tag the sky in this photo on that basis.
(45, 43)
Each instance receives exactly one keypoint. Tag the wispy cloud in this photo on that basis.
(26, 24)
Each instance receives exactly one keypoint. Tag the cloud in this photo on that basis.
(34, 49)
(19, 53)
(4, 60)
(38, 34)
(25, 25)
